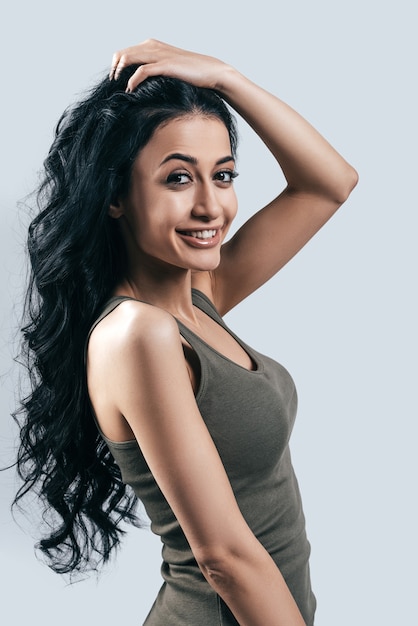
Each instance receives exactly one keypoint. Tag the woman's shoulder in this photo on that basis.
(129, 324)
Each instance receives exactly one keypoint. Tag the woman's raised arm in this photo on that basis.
(318, 179)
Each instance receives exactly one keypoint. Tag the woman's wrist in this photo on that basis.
(233, 86)
(227, 80)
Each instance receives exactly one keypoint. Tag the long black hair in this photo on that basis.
(76, 259)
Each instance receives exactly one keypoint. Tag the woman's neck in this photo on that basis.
(171, 291)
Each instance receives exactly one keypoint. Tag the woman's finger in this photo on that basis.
(143, 72)
(122, 62)
(113, 66)
(144, 52)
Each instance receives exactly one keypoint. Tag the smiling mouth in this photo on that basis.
(200, 234)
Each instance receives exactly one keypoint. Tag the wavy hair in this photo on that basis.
(76, 258)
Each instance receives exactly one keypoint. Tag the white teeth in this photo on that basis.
(201, 234)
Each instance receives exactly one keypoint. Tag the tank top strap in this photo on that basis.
(110, 306)
(204, 304)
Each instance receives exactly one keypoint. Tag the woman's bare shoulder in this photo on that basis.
(129, 325)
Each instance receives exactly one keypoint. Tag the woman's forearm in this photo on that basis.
(309, 162)
(252, 586)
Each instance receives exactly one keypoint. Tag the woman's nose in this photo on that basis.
(206, 203)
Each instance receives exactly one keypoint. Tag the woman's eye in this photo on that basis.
(178, 178)
(226, 176)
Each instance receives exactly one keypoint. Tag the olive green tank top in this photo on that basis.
(250, 415)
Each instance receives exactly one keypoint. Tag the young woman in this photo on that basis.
(136, 378)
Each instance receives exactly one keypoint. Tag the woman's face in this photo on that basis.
(181, 200)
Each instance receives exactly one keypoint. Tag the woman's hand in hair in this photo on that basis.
(156, 58)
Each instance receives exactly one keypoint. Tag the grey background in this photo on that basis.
(341, 316)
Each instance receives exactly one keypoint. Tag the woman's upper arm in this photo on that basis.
(150, 386)
(266, 242)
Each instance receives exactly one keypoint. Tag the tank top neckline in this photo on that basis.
(209, 310)
(214, 315)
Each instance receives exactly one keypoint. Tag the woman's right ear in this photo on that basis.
(116, 210)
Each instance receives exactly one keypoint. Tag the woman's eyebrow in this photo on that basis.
(189, 159)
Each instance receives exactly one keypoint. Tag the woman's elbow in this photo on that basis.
(219, 567)
(224, 565)
(346, 185)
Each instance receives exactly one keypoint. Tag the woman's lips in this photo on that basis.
(204, 238)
